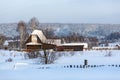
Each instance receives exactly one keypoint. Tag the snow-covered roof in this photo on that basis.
(107, 47)
(32, 43)
(42, 37)
(6, 43)
(54, 41)
(114, 44)
(40, 34)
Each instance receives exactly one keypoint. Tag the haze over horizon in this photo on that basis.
(61, 11)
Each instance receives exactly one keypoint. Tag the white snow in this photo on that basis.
(6, 43)
(27, 69)
(33, 43)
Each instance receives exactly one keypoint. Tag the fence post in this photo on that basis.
(85, 62)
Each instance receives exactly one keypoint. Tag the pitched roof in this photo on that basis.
(40, 34)
(31, 43)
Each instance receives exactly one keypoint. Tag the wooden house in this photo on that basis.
(38, 41)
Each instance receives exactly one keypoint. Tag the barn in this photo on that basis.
(72, 47)
(38, 41)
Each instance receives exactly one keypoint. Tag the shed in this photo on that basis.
(72, 47)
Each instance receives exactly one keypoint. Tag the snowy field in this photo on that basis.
(27, 69)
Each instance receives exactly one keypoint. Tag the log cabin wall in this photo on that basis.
(70, 48)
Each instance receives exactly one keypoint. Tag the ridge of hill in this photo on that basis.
(60, 29)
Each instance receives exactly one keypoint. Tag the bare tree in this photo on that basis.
(48, 57)
(23, 33)
(49, 32)
(2, 39)
(34, 23)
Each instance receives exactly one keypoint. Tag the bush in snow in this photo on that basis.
(9, 60)
(109, 54)
(72, 53)
(48, 57)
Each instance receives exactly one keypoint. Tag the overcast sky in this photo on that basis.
(61, 11)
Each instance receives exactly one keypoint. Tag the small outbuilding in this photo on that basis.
(72, 47)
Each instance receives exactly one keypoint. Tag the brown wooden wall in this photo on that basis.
(34, 47)
(69, 48)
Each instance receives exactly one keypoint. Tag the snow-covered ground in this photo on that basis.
(27, 69)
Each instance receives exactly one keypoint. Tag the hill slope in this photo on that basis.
(61, 29)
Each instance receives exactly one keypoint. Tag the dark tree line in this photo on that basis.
(73, 37)
(113, 36)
